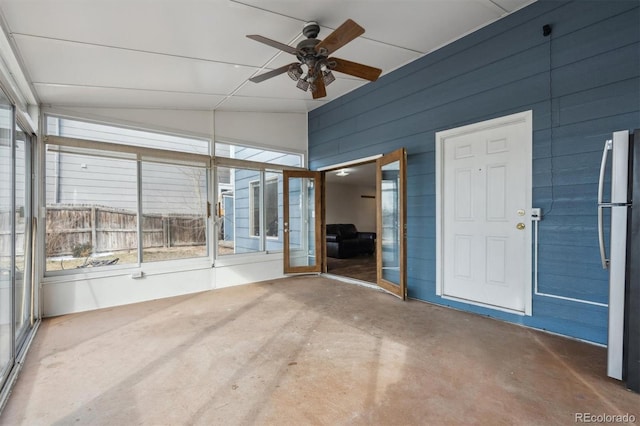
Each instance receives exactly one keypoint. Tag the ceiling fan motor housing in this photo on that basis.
(311, 29)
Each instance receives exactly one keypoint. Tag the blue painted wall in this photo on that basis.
(582, 83)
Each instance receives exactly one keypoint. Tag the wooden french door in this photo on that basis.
(391, 241)
(302, 221)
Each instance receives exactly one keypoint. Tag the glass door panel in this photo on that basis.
(391, 243)
(6, 237)
(302, 224)
(23, 236)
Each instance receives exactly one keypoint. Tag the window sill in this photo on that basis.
(148, 269)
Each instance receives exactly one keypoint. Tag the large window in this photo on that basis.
(119, 196)
(174, 206)
(92, 211)
(260, 155)
(109, 205)
(250, 199)
(124, 136)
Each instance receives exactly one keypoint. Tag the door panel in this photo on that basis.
(391, 222)
(485, 203)
(302, 221)
(23, 237)
(7, 218)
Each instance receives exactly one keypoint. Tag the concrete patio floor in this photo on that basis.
(305, 350)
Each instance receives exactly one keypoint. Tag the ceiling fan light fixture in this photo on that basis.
(294, 72)
(303, 84)
(313, 55)
(328, 77)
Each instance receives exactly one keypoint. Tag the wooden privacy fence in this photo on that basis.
(107, 229)
(5, 236)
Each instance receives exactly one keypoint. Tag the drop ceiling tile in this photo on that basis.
(410, 24)
(59, 62)
(214, 30)
(376, 54)
(123, 98)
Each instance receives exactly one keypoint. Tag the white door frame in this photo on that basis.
(527, 145)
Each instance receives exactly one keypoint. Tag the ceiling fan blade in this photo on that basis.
(273, 43)
(321, 90)
(339, 37)
(355, 69)
(267, 75)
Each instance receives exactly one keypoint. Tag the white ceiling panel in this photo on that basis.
(376, 54)
(53, 61)
(412, 24)
(194, 54)
(249, 104)
(123, 98)
(213, 30)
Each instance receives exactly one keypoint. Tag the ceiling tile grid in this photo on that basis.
(194, 54)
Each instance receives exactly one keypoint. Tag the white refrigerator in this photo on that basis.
(615, 260)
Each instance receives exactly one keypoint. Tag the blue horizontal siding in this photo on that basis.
(582, 83)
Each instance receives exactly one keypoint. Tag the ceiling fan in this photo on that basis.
(314, 55)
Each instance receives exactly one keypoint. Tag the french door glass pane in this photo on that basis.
(6, 239)
(390, 222)
(273, 210)
(301, 222)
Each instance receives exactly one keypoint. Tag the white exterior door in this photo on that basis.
(484, 213)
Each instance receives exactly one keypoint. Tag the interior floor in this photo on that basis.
(305, 350)
(362, 267)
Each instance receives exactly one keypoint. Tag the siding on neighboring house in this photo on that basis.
(582, 83)
(80, 179)
(242, 179)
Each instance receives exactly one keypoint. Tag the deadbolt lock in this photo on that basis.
(520, 226)
(521, 212)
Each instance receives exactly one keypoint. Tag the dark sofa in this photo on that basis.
(344, 240)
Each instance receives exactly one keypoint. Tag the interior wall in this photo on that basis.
(100, 289)
(582, 83)
(345, 204)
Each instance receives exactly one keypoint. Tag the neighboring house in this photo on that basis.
(246, 202)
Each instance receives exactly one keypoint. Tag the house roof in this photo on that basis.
(193, 54)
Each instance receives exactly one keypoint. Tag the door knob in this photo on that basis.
(520, 226)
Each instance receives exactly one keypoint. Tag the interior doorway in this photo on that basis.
(350, 214)
(354, 224)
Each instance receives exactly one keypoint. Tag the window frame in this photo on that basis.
(138, 155)
(213, 163)
(261, 185)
